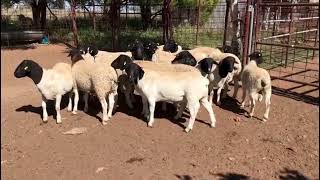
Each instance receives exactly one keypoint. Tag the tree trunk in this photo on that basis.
(146, 15)
(166, 20)
(115, 19)
(94, 17)
(74, 23)
(39, 12)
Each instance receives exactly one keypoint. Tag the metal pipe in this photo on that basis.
(288, 34)
(288, 20)
(289, 4)
(287, 45)
(246, 35)
(251, 9)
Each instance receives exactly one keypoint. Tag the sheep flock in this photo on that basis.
(157, 73)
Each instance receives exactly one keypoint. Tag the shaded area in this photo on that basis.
(183, 177)
(232, 176)
(294, 95)
(289, 174)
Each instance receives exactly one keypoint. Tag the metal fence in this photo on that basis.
(191, 25)
(288, 36)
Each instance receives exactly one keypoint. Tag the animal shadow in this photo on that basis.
(232, 176)
(289, 174)
(183, 177)
(50, 108)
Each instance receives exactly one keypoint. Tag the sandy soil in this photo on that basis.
(285, 146)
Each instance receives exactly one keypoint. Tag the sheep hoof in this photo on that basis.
(104, 122)
(74, 112)
(59, 122)
(187, 130)
(150, 125)
(265, 119)
(218, 103)
(45, 121)
(69, 109)
(213, 125)
(85, 110)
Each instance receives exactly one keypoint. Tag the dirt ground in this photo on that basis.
(285, 147)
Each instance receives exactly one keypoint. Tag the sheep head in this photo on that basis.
(257, 57)
(134, 72)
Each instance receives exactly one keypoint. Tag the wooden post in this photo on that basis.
(74, 23)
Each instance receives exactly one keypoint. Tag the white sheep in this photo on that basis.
(188, 87)
(96, 77)
(256, 82)
(221, 68)
(124, 86)
(52, 83)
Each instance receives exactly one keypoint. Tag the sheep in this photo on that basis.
(189, 87)
(124, 86)
(137, 50)
(102, 56)
(163, 53)
(151, 66)
(52, 83)
(256, 82)
(229, 68)
(98, 77)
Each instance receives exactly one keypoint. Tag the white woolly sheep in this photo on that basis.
(256, 82)
(229, 68)
(52, 83)
(188, 87)
(97, 77)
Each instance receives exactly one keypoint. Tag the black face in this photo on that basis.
(149, 49)
(206, 65)
(29, 68)
(170, 46)
(75, 55)
(256, 56)
(23, 69)
(93, 50)
(227, 49)
(137, 50)
(134, 72)
(184, 57)
(226, 66)
(121, 62)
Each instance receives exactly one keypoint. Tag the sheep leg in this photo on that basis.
(181, 108)
(211, 97)
(111, 104)
(163, 106)
(152, 105)
(70, 102)
(218, 95)
(104, 106)
(268, 103)
(236, 88)
(225, 92)
(253, 103)
(208, 107)
(128, 100)
(58, 101)
(244, 94)
(144, 107)
(76, 100)
(44, 109)
(85, 98)
(193, 107)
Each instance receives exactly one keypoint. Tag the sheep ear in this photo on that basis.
(141, 73)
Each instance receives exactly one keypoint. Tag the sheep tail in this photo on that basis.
(263, 86)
